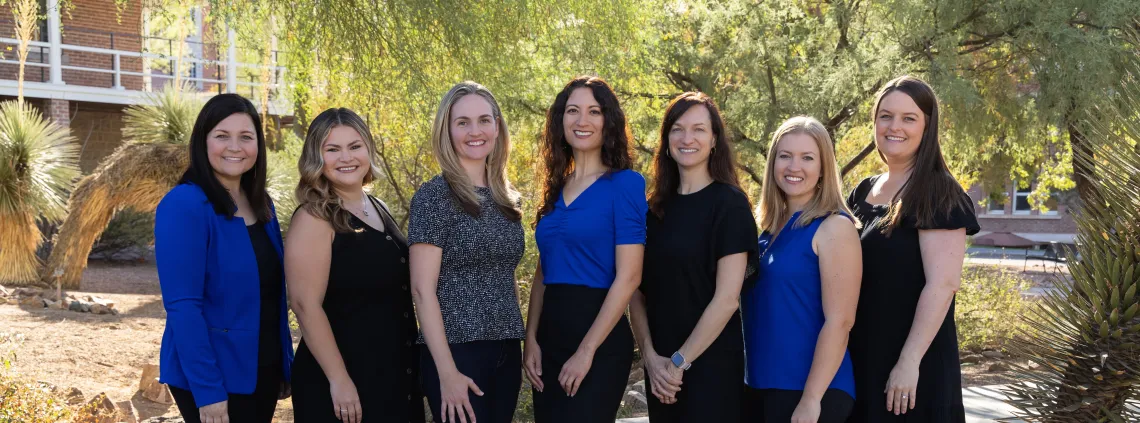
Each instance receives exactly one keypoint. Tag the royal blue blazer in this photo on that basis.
(212, 294)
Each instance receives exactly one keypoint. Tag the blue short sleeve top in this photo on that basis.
(577, 242)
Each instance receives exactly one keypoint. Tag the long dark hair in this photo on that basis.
(556, 154)
(722, 163)
(931, 188)
(200, 172)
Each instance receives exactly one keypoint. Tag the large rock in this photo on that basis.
(32, 301)
(158, 393)
(993, 354)
(972, 359)
(102, 409)
(75, 397)
(127, 412)
(3, 300)
(149, 377)
(160, 419)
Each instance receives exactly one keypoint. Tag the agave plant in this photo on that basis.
(166, 116)
(39, 161)
(1086, 342)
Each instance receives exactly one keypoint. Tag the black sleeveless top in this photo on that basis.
(368, 302)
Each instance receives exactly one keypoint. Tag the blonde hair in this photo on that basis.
(314, 191)
(462, 188)
(828, 198)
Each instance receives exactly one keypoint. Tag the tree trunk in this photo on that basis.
(1082, 169)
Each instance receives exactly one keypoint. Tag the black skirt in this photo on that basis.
(568, 311)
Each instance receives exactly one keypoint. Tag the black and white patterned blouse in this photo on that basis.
(476, 287)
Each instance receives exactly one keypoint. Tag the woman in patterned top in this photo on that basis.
(466, 239)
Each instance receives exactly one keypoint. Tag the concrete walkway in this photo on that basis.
(984, 404)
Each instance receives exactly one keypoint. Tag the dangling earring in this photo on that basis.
(667, 152)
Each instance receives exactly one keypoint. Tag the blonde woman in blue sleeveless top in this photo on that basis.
(798, 314)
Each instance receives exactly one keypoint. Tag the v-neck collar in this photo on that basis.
(562, 194)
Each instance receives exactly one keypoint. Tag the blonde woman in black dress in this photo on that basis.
(346, 263)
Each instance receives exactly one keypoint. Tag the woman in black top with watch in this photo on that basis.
(700, 248)
(347, 268)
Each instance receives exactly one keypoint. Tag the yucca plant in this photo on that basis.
(166, 116)
(39, 161)
(136, 175)
(1086, 347)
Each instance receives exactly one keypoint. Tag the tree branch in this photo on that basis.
(857, 159)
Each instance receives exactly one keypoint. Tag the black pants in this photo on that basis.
(496, 368)
(568, 311)
(710, 391)
(257, 407)
(778, 405)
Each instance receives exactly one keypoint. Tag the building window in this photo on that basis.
(1050, 206)
(996, 203)
(1021, 201)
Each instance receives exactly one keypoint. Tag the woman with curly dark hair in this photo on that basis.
(590, 232)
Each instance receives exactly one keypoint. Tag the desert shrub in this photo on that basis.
(129, 231)
(989, 306)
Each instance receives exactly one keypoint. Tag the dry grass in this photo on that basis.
(136, 175)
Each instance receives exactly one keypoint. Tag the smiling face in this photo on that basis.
(899, 125)
(346, 158)
(473, 128)
(232, 147)
(691, 138)
(582, 121)
(797, 167)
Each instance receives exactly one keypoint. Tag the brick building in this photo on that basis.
(1015, 216)
(88, 63)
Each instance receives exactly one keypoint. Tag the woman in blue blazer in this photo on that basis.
(226, 351)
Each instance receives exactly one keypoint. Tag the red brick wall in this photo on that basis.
(98, 128)
(1062, 223)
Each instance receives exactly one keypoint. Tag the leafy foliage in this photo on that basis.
(1087, 335)
(988, 306)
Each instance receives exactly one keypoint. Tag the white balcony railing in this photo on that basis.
(49, 56)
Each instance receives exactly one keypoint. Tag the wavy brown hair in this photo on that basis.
(721, 164)
(461, 186)
(931, 189)
(314, 192)
(556, 151)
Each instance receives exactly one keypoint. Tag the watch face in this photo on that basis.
(678, 360)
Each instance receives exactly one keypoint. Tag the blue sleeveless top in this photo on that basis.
(783, 313)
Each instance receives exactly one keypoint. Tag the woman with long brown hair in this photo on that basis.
(700, 247)
(346, 263)
(904, 345)
(590, 233)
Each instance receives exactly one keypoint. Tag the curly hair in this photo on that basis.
(557, 156)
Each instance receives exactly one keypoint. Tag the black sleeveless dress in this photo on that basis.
(369, 307)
